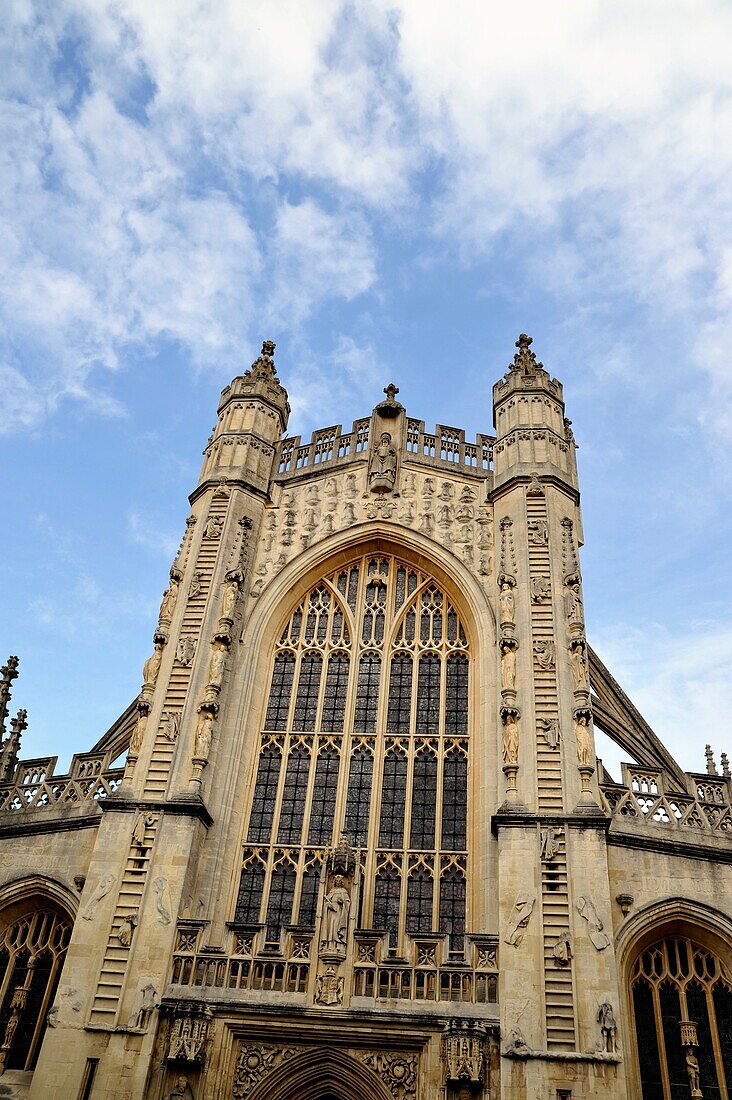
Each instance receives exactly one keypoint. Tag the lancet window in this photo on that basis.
(676, 983)
(365, 730)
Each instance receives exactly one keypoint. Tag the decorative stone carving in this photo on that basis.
(507, 602)
(507, 568)
(216, 668)
(573, 603)
(540, 589)
(445, 515)
(329, 987)
(181, 1089)
(582, 738)
(578, 661)
(334, 927)
(383, 466)
(188, 1035)
(562, 950)
(126, 929)
(570, 564)
(140, 1019)
(463, 1049)
(255, 1060)
(103, 887)
(214, 527)
(194, 588)
(170, 724)
(511, 738)
(595, 927)
(397, 1071)
(349, 514)
(508, 647)
(608, 1028)
(549, 727)
(342, 859)
(151, 668)
(203, 735)
(138, 733)
(162, 900)
(549, 843)
(186, 650)
(518, 922)
(692, 1070)
(535, 488)
(427, 523)
(170, 596)
(538, 532)
(142, 822)
(516, 1045)
(544, 653)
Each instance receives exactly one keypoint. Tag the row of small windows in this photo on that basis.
(421, 894)
(400, 705)
(394, 786)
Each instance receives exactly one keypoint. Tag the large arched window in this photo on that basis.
(675, 983)
(32, 951)
(365, 730)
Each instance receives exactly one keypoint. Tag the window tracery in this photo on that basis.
(674, 981)
(366, 729)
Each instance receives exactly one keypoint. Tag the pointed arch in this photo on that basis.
(321, 1072)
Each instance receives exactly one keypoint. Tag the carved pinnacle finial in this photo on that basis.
(711, 766)
(525, 360)
(8, 673)
(264, 365)
(725, 765)
(391, 391)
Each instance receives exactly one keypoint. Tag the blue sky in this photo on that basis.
(391, 191)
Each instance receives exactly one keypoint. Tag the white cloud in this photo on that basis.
(680, 684)
(143, 532)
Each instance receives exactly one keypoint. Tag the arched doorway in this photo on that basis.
(34, 935)
(681, 997)
(321, 1074)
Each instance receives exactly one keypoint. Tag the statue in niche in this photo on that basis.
(148, 1003)
(334, 930)
(550, 728)
(507, 600)
(583, 740)
(214, 527)
(510, 739)
(692, 1070)
(608, 1028)
(382, 474)
(202, 739)
(562, 950)
(544, 653)
(217, 666)
(170, 595)
(508, 663)
(596, 929)
(181, 1089)
(329, 988)
(104, 885)
(138, 733)
(151, 668)
(573, 602)
(522, 909)
(229, 597)
(194, 588)
(579, 666)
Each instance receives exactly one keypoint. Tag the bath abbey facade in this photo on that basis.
(351, 840)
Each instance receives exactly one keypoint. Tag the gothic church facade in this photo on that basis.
(352, 840)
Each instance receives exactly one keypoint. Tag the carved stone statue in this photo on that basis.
(162, 900)
(170, 724)
(334, 929)
(507, 601)
(544, 653)
(229, 598)
(126, 930)
(573, 602)
(170, 596)
(329, 988)
(608, 1028)
(562, 950)
(522, 909)
(216, 666)
(508, 663)
(148, 1003)
(202, 738)
(550, 728)
(538, 532)
(151, 668)
(550, 843)
(597, 934)
(181, 1089)
(138, 733)
(583, 740)
(214, 527)
(692, 1069)
(382, 474)
(186, 649)
(540, 589)
(104, 885)
(579, 666)
(510, 739)
(194, 588)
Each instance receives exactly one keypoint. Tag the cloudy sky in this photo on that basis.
(391, 191)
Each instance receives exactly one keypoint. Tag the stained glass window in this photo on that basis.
(324, 797)
(400, 693)
(424, 800)
(456, 695)
(428, 694)
(280, 692)
(281, 897)
(309, 897)
(367, 693)
(308, 686)
(387, 892)
(419, 902)
(336, 693)
(454, 802)
(359, 795)
(265, 793)
(249, 901)
(293, 796)
(393, 797)
(452, 906)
